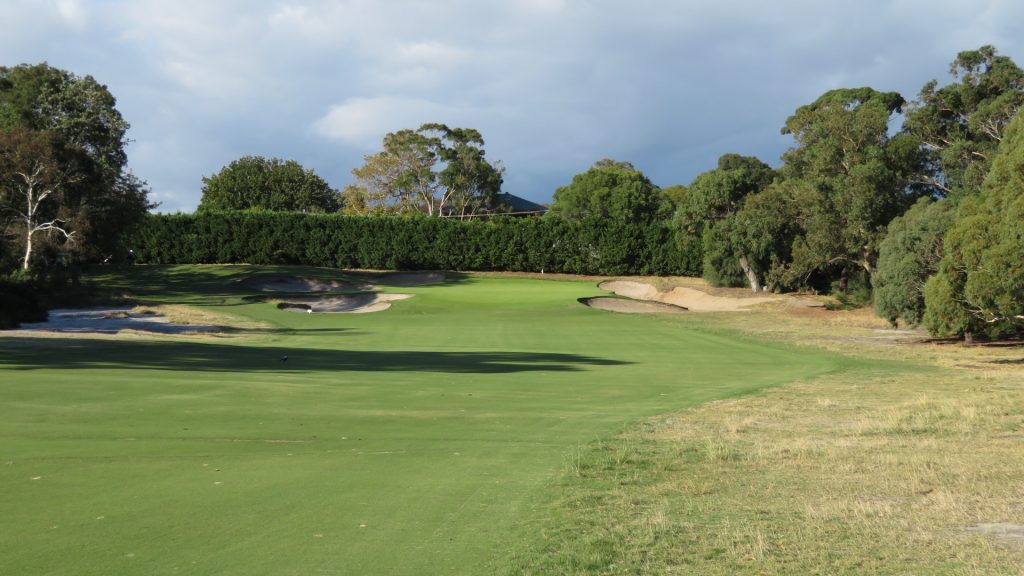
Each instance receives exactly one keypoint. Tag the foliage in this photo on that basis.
(855, 179)
(714, 201)
(19, 301)
(961, 124)
(343, 241)
(766, 226)
(88, 133)
(258, 183)
(676, 196)
(32, 186)
(435, 170)
(980, 282)
(613, 191)
(470, 182)
(908, 256)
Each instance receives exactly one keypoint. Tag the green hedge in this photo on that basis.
(415, 243)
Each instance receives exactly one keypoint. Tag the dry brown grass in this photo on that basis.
(888, 468)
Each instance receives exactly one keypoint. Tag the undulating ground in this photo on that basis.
(912, 467)
(436, 437)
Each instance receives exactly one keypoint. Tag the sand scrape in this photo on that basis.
(111, 321)
(689, 298)
(627, 306)
(354, 304)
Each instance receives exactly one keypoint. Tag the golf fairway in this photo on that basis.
(416, 440)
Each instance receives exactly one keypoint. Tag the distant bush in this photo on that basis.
(416, 243)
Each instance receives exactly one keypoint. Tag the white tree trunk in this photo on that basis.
(28, 250)
(755, 282)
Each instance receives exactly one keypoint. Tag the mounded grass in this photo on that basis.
(427, 439)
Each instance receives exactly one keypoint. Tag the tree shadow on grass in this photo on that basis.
(221, 285)
(80, 354)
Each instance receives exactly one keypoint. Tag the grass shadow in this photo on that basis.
(81, 354)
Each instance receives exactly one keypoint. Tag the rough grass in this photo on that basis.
(894, 469)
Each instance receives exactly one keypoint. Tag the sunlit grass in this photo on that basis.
(887, 469)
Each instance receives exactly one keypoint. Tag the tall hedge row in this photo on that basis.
(415, 243)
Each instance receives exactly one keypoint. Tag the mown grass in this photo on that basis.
(892, 468)
(411, 441)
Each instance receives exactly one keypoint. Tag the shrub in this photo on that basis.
(416, 243)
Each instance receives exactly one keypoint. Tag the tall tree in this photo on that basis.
(713, 201)
(88, 135)
(962, 123)
(908, 256)
(435, 170)
(470, 183)
(611, 190)
(32, 182)
(979, 287)
(258, 183)
(858, 179)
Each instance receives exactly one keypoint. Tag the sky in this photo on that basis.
(552, 85)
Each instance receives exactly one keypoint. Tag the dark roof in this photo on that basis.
(517, 204)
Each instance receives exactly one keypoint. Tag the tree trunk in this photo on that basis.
(755, 282)
(28, 250)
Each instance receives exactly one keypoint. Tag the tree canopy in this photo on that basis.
(258, 183)
(713, 201)
(434, 170)
(858, 178)
(610, 190)
(86, 133)
(961, 124)
(908, 256)
(978, 288)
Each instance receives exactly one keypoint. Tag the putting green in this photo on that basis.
(411, 441)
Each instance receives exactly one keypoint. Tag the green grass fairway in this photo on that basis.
(411, 441)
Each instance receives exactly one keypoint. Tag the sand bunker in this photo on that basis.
(299, 284)
(364, 281)
(627, 306)
(688, 298)
(355, 304)
(111, 321)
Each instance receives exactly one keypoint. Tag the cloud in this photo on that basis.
(363, 122)
(553, 85)
(73, 12)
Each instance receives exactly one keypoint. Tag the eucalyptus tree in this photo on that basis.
(979, 287)
(434, 170)
(961, 124)
(857, 178)
(713, 201)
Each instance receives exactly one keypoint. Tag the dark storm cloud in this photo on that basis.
(553, 85)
